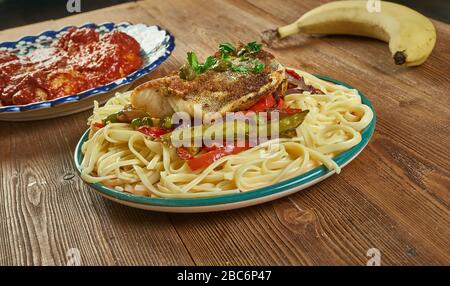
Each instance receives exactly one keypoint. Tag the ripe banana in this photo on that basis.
(411, 36)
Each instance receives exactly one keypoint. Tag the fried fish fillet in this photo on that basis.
(216, 92)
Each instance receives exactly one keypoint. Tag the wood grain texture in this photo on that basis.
(394, 196)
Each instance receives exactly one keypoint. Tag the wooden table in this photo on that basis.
(393, 197)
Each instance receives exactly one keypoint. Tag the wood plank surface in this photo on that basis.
(394, 196)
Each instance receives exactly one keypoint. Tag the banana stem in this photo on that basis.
(288, 30)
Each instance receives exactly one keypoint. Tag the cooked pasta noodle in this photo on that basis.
(127, 160)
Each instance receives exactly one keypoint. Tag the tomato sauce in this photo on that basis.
(81, 59)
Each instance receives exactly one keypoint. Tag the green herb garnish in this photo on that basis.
(250, 48)
(192, 60)
(257, 66)
(253, 47)
(254, 66)
(190, 70)
(239, 68)
(226, 49)
(193, 67)
(210, 61)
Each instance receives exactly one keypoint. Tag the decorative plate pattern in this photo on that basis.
(232, 201)
(156, 46)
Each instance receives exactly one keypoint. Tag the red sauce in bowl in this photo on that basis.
(81, 59)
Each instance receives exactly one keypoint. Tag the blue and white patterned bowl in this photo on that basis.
(156, 46)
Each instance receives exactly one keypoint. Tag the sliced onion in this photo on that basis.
(294, 90)
(301, 86)
(294, 81)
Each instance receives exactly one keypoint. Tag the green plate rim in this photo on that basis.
(309, 176)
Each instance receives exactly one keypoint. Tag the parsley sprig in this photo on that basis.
(193, 67)
(250, 48)
(226, 49)
(192, 60)
(254, 66)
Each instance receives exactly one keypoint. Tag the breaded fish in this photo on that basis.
(216, 91)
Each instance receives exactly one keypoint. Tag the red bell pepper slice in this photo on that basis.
(204, 160)
(154, 132)
(293, 74)
(264, 103)
(98, 125)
